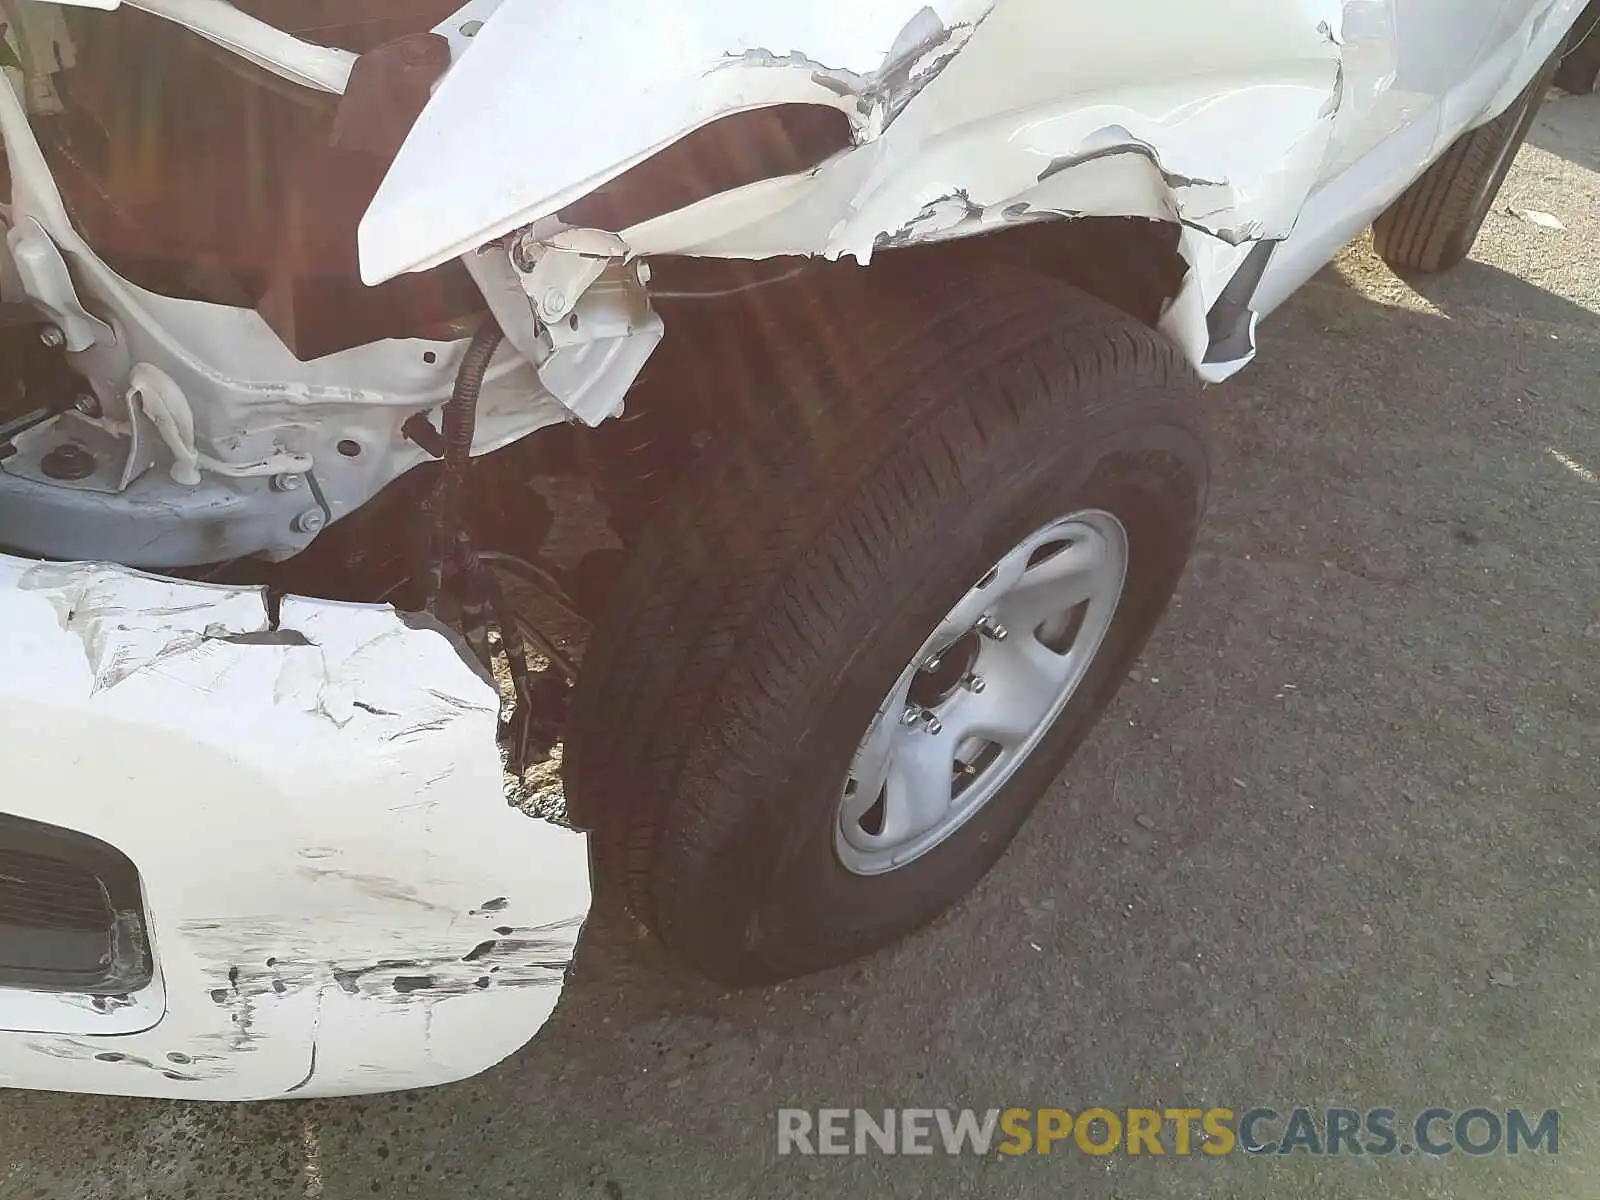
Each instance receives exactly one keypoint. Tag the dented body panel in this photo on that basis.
(338, 897)
(968, 115)
(965, 119)
(334, 895)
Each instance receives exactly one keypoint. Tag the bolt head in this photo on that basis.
(644, 271)
(287, 483)
(911, 716)
(310, 521)
(553, 303)
(932, 665)
(52, 337)
(87, 403)
(976, 685)
(993, 630)
(932, 724)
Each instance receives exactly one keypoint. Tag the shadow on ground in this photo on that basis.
(1337, 843)
(1566, 127)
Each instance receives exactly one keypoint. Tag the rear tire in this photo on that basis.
(1433, 224)
(1580, 65)
(923, 429)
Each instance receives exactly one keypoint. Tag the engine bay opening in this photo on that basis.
(198, 175)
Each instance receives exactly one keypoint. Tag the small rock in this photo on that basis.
(1502, 977)
(1144, 822)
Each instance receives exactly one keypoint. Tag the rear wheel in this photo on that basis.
(1580, 65)
(856, 648)
(1432, 225)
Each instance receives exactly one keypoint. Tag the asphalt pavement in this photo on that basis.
(1337, 843)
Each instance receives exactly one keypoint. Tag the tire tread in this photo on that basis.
(815, 499)
(1432, 225)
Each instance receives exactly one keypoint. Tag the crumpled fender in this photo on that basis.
(553, 98)
(966, 115)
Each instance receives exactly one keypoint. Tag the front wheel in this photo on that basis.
(857, 650)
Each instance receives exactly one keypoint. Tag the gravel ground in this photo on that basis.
(1338, 843)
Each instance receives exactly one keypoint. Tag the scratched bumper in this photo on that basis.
(336, 897)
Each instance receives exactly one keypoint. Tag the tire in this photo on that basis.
(927, 426)
(1580, 65)
(1432, 225)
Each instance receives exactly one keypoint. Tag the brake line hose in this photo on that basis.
(478, 592)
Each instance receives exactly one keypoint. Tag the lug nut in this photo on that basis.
(974, 684)
(932, 665)
(992, 629)
(916, 715)
(310, 521)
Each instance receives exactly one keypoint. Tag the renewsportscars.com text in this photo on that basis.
(1177, 1132)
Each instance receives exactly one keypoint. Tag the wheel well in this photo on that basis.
(725, 317)
(1129, 262)
(1580, 62)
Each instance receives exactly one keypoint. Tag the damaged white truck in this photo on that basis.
(874, 330)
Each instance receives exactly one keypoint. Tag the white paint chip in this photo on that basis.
(1534, 216)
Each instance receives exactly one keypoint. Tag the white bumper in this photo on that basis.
(337, 897)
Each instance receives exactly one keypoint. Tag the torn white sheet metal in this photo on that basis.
(555, 97)
(968, 115)
(339, 898)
